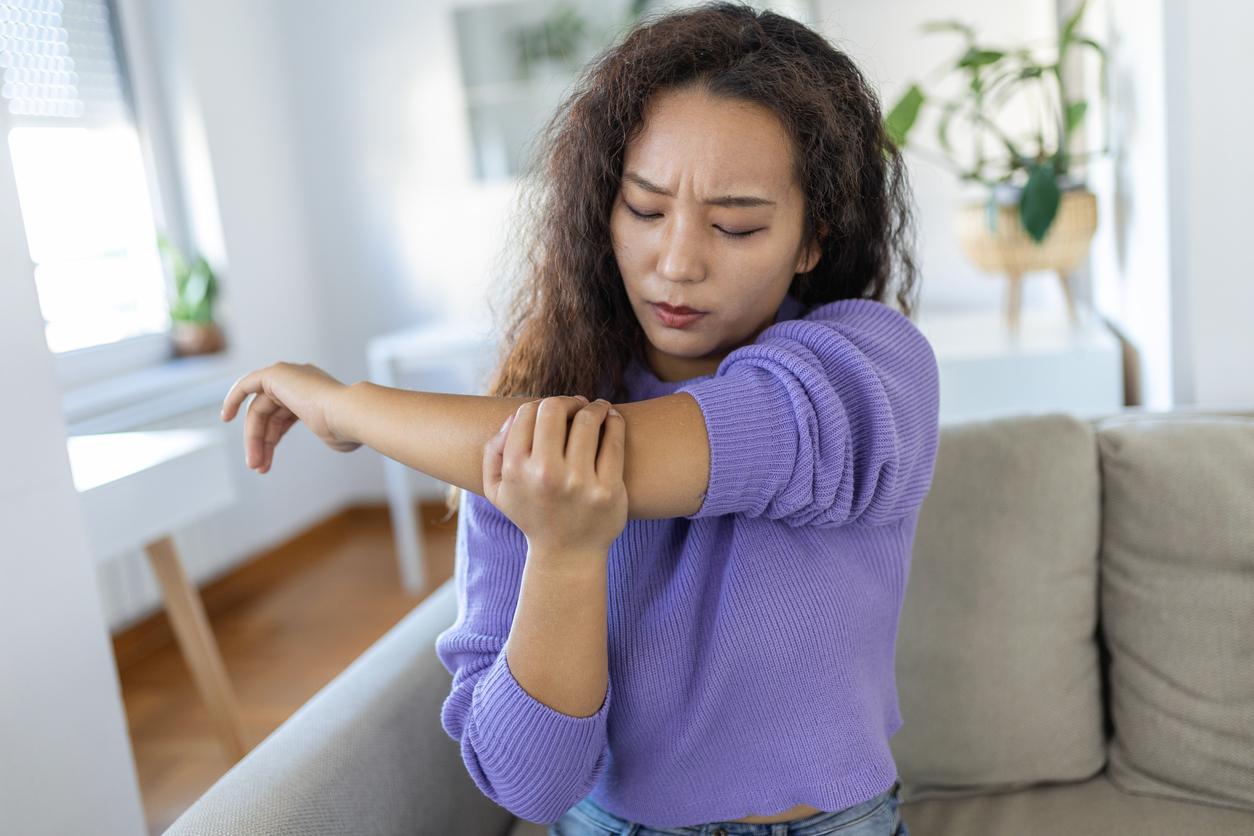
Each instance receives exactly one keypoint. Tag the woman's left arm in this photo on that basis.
(666, 458)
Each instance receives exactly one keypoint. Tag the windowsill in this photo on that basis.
(125, 401)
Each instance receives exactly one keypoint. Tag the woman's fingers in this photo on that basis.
(548, 444)
(280, 422)
(518, 441)
(255, 426)
(247, 385)
(492, 458)
(613, 445)
(585, 433)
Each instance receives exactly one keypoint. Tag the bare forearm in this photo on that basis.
(436, 433)
(557, 645)
(666, 463)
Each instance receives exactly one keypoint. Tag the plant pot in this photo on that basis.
(1009, 249)
(192, 338)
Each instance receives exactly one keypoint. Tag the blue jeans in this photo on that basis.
(878, 816)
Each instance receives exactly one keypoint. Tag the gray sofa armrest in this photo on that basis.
(366, 754)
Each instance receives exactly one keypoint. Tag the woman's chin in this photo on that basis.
(688, 346)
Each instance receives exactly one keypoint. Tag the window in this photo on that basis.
(85, 197)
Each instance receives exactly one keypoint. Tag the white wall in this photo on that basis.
(1210, 178)
(1170, 265)
(65, 760)
(405, 234)
(1131, 255)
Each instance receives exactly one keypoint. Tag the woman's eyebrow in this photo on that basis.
(726, 200)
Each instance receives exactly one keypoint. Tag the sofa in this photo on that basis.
(1075, 656)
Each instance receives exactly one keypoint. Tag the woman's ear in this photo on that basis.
(810, 258)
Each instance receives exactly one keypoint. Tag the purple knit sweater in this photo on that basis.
(750, 643)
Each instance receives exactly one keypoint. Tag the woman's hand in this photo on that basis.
(556, 487)
(285, 393)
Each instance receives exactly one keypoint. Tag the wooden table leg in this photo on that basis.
(1065, 280)
(200, 650)
(1014, 301)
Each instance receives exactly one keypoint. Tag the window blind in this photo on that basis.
(61, 64)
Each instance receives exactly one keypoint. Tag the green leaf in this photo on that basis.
(1092, 44)
(903, 115)
(1075, 112)
(1039, 202)
(949, 26)
(202, 267)
(980, 57)
(1068, 28)
(942, 126)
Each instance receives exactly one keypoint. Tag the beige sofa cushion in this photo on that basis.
(1178, 605)
(1091, 808)
(997, 662)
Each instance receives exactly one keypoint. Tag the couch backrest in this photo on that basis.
(1177, 603)
(998, 675)
(1001, 663)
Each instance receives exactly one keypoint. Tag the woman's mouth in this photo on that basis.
(675, 317)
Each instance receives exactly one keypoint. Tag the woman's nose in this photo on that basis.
(681, 257)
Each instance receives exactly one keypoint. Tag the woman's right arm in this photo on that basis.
(520, 745)
(557, 645)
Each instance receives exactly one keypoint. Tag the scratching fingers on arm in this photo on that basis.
(613, 447)
(585, 435)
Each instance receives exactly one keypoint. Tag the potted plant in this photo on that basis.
(194, 291)
(1038, 215)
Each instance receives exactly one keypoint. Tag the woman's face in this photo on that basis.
(704, 169)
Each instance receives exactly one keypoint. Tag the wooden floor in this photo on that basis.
(287, 623)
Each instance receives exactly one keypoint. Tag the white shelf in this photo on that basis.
(987, 371)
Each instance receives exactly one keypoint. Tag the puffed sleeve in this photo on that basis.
(825, 420)
(527, 757)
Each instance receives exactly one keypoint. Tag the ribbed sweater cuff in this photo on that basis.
(533, 751)
(752, 430)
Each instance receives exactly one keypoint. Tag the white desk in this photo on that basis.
(1050, 365)
(138, 487)
(450, 357)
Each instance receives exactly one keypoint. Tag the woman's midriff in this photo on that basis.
(801, 811)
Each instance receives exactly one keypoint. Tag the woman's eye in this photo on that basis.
(640, 214)
(728, 233)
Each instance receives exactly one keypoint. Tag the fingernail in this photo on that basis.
(582, 398)
(614, 411)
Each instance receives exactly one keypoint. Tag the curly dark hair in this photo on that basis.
(571, 328)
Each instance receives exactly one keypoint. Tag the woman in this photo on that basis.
(677, 611)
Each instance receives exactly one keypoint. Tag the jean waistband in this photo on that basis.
(808, 826)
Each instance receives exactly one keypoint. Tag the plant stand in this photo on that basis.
(1014, 299)
(1009, 250)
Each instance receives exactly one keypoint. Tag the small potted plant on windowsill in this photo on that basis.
(1037, 215)
(193, 329)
